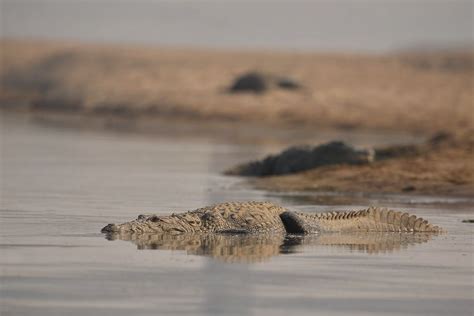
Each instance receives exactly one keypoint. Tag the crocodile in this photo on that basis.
(267, 217)
(301, 158)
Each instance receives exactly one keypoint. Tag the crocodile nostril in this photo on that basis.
(111, 228)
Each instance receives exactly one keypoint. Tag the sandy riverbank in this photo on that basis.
(406, 92)
(136, 88)
(445, 169)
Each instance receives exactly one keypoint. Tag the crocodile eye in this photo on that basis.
(208, 216)
(154, 219)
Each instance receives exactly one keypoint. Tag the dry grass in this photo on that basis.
(416, 93)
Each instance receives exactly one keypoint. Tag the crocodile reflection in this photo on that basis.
(260, 247)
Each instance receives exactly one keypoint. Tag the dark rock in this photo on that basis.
(296, 159)
(450, 62)
(409, 188)
(439, 138)
(42, 76)
(62, 104)
(471, 221)
(115, 109)
(288, 83)
(396, 151)
(258, 83)
(250, 82)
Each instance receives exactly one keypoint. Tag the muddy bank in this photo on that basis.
(416, 93)
(443, 168)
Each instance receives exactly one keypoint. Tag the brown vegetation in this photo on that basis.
(415, 93)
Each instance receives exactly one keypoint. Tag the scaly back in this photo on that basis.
(373, 219)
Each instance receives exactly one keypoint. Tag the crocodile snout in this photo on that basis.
(111, 228)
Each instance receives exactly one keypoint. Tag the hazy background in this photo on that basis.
(344, 25)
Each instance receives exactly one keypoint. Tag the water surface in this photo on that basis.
(60, 186)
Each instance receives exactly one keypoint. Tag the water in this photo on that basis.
(60, 186)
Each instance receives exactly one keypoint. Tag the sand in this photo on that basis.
(444, 170)
(420, 93)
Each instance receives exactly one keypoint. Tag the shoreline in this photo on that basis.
(447, 172)
(164, 91)
(244, 132)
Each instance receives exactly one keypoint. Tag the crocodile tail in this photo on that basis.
(373, 219)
